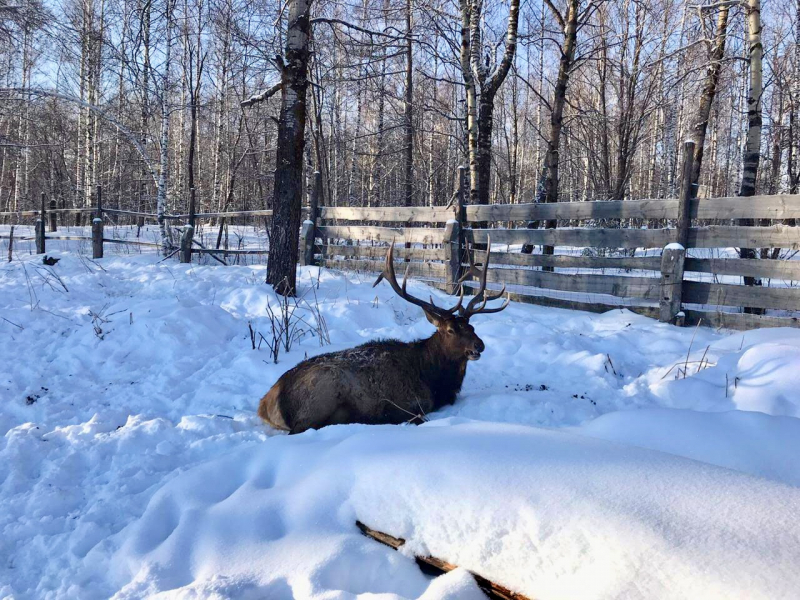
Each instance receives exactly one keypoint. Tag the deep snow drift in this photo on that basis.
(132, 463)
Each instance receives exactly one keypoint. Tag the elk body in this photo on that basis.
(384, 381)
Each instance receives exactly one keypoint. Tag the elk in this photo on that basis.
(385, 381)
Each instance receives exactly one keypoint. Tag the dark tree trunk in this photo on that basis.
(557, 113)
(288, 194)
(708, 94)
(408, 115)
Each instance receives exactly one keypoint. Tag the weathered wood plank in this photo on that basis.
(715, 236)
(223, 251)
(721, 236)
(415, 269)
(594, 307)
(737, 321)
(575, 236)
(132, 242)
(379, 252)
(647, 288)
(629, 209)
(414, 235)
(767, 269)
(720, 294)
(646, 263)
(780, 206)
(393, 214)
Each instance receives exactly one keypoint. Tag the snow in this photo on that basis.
(588, 456)
(674, 246)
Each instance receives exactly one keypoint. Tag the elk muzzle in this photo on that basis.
(475, 352)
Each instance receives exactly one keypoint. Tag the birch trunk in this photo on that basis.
(752, 151)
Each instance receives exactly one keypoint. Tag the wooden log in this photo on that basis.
(70, 237)
(737, 321)
(379, 252)
(646, 288)
(669, 306)
(452, 254)
(787, 270)
(414, 235)
(186, 244)
(721, 294)
(390, 214)
(490, 588)
(53, 217)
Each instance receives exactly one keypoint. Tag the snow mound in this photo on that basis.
(549, 514)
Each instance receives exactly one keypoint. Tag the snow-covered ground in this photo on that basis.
(588, 456)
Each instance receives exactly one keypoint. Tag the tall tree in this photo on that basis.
(481, 87)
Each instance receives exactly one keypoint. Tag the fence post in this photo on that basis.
(97, 226)
(674, 254)
(308, 233)
(40, 247)
(188, 231)
(452, 254)
(53, 217)
(10, 243)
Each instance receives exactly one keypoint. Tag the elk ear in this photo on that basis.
(433, 319)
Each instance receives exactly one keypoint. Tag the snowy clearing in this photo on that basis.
(578, 462)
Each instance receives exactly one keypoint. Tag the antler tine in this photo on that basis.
(389, 275)
(481, 295)
(456, 307)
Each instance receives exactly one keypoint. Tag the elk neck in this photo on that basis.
(443, 372)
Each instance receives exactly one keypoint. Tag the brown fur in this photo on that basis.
(383, 381)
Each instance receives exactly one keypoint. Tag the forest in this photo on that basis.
(243, 100)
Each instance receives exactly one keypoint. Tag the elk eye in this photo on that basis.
(451, 331)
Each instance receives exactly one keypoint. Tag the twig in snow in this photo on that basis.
(12, 322)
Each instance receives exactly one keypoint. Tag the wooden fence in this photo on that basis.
(47, 218)
(599, 264)
(667, 285)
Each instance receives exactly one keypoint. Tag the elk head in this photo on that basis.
(456, 337)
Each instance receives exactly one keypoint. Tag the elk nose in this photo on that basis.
(480, 346)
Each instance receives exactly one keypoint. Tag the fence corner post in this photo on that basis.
(97, 226)
(40, 244)
(186, 244)
(452, 255)
(669, 304)
(307, 243)
(53, 217)
(674, 254)
(308, 232)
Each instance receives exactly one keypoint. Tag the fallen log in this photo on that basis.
(490, 588)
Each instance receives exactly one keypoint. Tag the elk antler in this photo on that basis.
(474, 271)
(429, 307)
